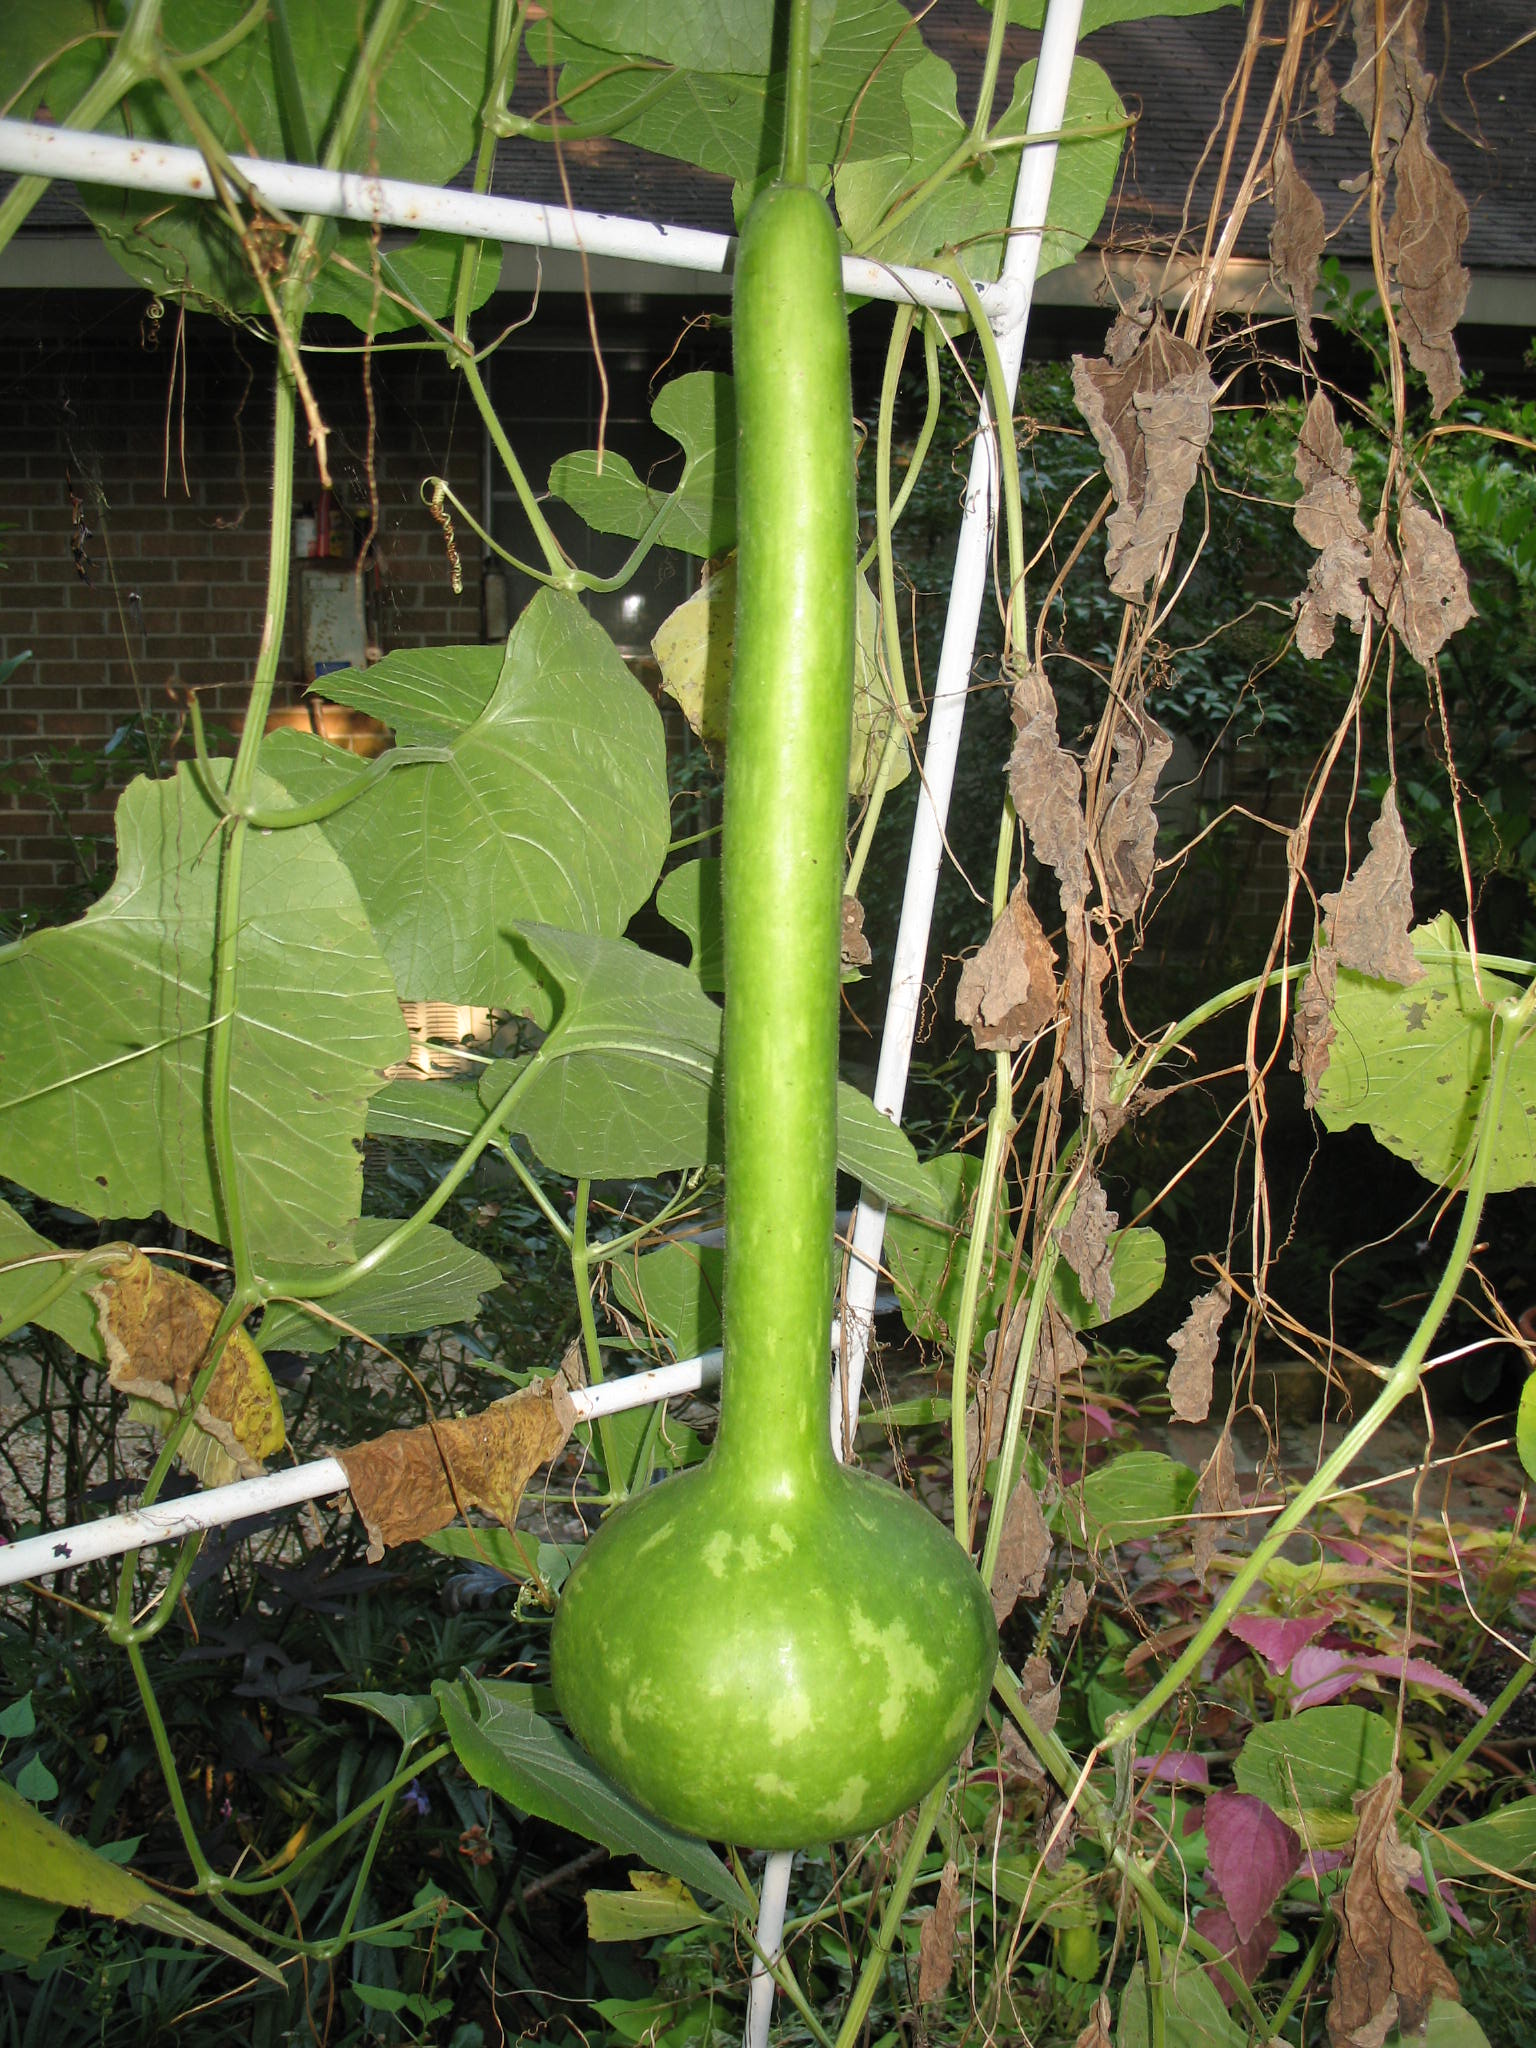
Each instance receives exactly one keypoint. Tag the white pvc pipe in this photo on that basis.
(973, 555)
(772, 1898)
(36, 1557)
(33, 150)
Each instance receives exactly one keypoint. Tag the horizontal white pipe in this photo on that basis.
(34, 150)
(35, 1557)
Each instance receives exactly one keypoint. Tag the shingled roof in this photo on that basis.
(1172, 74)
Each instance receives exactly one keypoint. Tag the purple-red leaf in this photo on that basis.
(1176, 1769)
(1253, 1856)
(1277, 1637)
(1322, 1674)
(1247, 1957)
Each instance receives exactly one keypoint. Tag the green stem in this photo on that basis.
(506, 33)
(1008, 451)
(925, 432)
(132, 60)
(581, 1276)
(274, 618)
(207, 1877)
(794, 168)
(247, 1887)
(221, 1054)
(583, 131)
(165, 1605)
(1154, 1955)
(877, 1959)
(1510, 1019)
(323, 807)
(1306, 1970)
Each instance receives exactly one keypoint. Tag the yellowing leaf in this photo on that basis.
(156, 1325)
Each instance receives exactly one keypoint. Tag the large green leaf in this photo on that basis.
(420, 121)
(553, 807)
(1504, 1840)
(427, 1112)
(1412, 1064)
(1309, 1769)
(629, 1082)
(22, 1287)
(698, 410)
(431, 1281)
(427, 696)
(515, 1753)
(49, 84)
(712, 38)
(39, 1861)
(970, 211)
(104, 1034)
(1193, 2014)
(1140, 1493)
(1138, 1260)
(677, 1289)
(690, 898)
(732, 122)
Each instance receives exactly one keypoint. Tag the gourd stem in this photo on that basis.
(797, 95)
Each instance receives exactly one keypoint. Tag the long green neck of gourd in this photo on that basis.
(786, 808)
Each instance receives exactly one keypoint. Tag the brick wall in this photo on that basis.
(133, 542)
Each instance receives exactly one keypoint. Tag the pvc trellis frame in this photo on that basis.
(30, 149)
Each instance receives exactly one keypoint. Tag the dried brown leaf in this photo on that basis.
(1084, 1242)
(1194, 1354)
(1127, 834)
(1297, 237)
(1007, 991)
(1086, 1050)
(1096, 2034)
(1406, 83)
(1424, 594)
(409, 1482)
(1040, 1691)
(155, 1329)
(1015, 1755)
(1149, 410)
(1312, 1032)
(1327, 516)
(1369, 919)
(855, 947)
(1218, 1496)
(1385, 1971)
(1024, 1553)
(1059, 1357)
(936, 1944)
(1326, 93)
(1073, 1611)
(1046, 784)
(1424, 241)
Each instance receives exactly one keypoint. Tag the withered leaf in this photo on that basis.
(1297, 237)
(1150, 413)
(1086, 1050)
(155, 1326)
(1073, 1611)
(1326, 93)
(1001, 1347)
(1312, 1031)
(855, 947)
(1041, 1692)
(409, 1482)
(1369, 919)
(1424, 594)
(1406, 83)
(1016, 1756)
(936, 1944)
(1059, 1357)
(1385, 1972)
(1424, 241)
(1096, 2034)
(1084, 1242)
(1056, 1835)
(1218, 1496)
(1194, 1353)
(1024, 1552)
(1046, 784)
(1127, 834)
(1327, 516)
(1007, 991)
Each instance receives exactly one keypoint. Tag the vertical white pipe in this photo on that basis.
(973, 555)
(772, 1899)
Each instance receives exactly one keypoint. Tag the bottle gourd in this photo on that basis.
(772, 1649)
